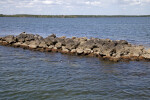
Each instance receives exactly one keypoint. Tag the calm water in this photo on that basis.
(30, 75)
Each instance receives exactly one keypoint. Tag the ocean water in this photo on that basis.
(32, 75)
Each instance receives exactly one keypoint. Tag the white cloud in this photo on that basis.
(93, 3)
(74, 6)
(133, 2)
(48, 2)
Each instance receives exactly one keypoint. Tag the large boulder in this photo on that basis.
(42, 44)
(10, 39)
(87, 45)
(71, 44)
(29, 37)
(146, 54)
(123, 42)
(34, 44)
(61, 40)
(58, 45)
(52, 36)
(79, 51)
(21, 37)
(50, 41)
(136, 50)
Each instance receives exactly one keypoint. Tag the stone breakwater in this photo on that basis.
(119, 50)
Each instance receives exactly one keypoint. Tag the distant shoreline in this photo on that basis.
(71, 16)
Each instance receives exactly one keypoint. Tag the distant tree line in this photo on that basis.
(70, 16)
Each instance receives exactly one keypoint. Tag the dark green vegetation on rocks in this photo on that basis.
(119, 50)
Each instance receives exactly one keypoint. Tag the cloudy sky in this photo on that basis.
(75, 7)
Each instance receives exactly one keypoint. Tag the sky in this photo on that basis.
(75, 7)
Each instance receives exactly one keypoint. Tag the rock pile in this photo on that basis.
(103, 48)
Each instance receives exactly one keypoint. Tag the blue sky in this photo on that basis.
(75, 7)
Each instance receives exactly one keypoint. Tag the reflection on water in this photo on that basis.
(27, 74)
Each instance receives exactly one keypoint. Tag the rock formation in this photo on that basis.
(119, 50)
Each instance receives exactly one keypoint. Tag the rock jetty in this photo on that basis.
(119, 50)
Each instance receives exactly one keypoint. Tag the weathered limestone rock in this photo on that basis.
(51, 46)
(64, 50)
(73, 51)
(136, 50)
(63, 37)
(87, 51)
(17, 44)
(33, 45)
(104, 48)
(61, 40)
(70, 44)
(52, 35)
(50, 41)
(146, 54)
(80, 51)
(58, 45)
(10, 39)
(42, 44)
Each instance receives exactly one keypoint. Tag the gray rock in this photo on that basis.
(52, 36)
(50, 41)
(79, 51)
(29, 37)
(42, 44)
(33, 44)
(122, 42)
(51, 46)
(61, 40)
(10, 39)
(58, 45)
(73, 51)
(147, 56)
(87, 51)
(65, 50)
(70, 44)
(136, 50)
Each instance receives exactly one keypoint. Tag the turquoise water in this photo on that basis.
(30, 75)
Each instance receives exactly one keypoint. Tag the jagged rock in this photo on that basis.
(136, 50)
(70, 44)
(33, 44)
(17, 44)
(10, 39)
(29, 37)
(61, 40)
(65, 50)
(73, 51)
(122, 42)
(52, 36)
(63, 37)
(147, 56)
(58, 45)
(88, 44)
(1, 38)
(105, 48)
(50, 41)
(42, 44)
(51, 46)
(79, 51)
(87, 51)
(21, 37)
(73, 38)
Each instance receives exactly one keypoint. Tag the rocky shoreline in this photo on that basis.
(119, 50)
